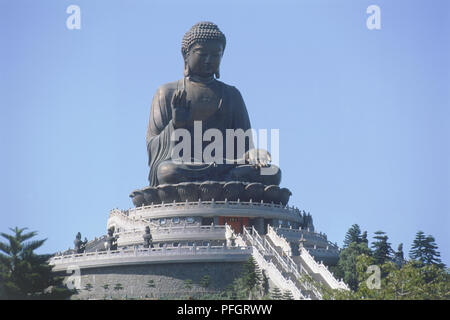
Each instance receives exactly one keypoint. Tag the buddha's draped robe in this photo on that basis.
(232, 114)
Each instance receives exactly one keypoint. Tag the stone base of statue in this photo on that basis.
(210, 191)
(197, 248)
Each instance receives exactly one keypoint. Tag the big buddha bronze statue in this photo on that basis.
(199, 97)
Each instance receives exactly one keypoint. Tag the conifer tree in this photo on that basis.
(276, 294)
(287, 295)
(364, 238)
(346, 267)
(417, 251)
(353, 235)
(424, 250)
(355, 244)
(25, 274)
(252, 276)
(432, 256)
(382, 250)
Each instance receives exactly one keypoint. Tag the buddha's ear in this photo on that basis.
(187, 70)
(217, 73)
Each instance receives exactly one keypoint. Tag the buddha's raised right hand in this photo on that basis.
(181, 109)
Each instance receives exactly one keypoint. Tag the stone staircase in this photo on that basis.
(280, 268)
(305, 261)
(98, 244)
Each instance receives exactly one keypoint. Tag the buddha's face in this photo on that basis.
(204, 58)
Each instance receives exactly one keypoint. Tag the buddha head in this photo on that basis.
(202, 48)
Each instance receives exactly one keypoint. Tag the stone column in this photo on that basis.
(259, 225)
(216, 220)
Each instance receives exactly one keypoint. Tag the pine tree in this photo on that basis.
(424, 250)
(205, 281)
(364, 239)
(382, 250)
(353, 235)
(188, 284)
(355, 244)
(431, 255)
(287, 295)
(264, 283)
(346, 267)
(252, 276)
(417, 251)
(26, 275)
(276, 294)
(409, 282)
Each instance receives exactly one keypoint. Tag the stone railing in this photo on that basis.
(297, 233)
(188, 229)
(302, 230)
(229, 208)
(285, 262)
(238, 239)
(131, 211)
(171, 233)
(276, 276)
(155, 255)
(309, 260)
(279, 241)
(120, 219)
(322, 270)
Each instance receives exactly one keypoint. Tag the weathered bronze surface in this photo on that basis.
(199, 96)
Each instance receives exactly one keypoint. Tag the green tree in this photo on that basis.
(424, 250)
(353, 235)
(231, 292)
(346, 267)
(364, 238)
(417, 251)
(3, 271)
(188, 284)
(248, 285)
(413, 281)
(252, 277)
(205, 281)
(432, 256)
(25, 274)
(276, 294)
(287, 295)
(382, 250)
(264, 283)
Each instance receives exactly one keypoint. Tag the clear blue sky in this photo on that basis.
(363, 115)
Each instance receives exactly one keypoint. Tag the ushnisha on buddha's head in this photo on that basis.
(202, 48)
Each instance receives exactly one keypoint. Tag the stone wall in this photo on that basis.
(157, 281)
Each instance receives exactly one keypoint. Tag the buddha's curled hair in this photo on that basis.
(201, 32)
